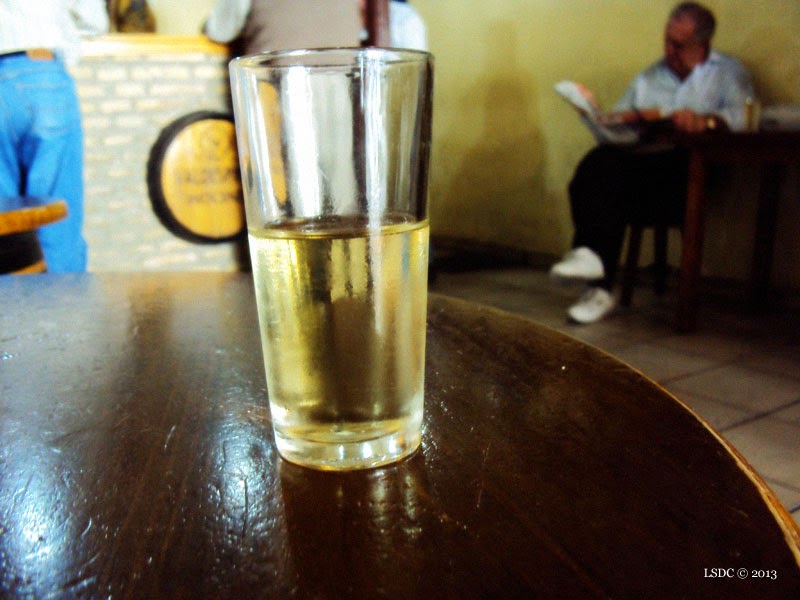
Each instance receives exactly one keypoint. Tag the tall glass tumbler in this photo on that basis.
(333, 149)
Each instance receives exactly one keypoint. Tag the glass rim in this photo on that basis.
(296, 58)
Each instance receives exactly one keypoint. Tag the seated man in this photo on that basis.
(700, 89)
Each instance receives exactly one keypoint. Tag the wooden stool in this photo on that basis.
(632, 260)
(20, 251)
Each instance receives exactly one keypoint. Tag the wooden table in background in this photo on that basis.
(771, 152)
(137, 461)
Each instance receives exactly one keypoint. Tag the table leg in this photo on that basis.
(692, 243)
(768, 197)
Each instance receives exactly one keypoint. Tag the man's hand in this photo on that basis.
(691, 122)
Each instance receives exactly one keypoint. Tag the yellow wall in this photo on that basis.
(180, 17)
(505, 145)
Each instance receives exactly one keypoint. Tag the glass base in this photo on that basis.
(347, 453)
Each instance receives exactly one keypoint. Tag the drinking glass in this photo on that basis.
(333, 150)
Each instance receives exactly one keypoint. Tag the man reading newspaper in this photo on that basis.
(695, 88)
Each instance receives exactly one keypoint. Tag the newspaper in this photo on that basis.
(607, 128)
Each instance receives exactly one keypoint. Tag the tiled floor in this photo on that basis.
(739, 371)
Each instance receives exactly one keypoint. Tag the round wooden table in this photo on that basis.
(137, 461)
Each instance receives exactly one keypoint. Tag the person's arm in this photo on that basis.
(227, 20)
(724, 99)
(90, 17)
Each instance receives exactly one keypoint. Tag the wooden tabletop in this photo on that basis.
(137, 461)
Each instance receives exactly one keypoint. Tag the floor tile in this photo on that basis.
(743, 387)
(662, 363)
(719, 415)
(788, 496)
(613, 333)
(775, 358)
(709, 344)
(772, 447)
(790, 414)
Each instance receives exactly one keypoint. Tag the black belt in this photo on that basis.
(33, 54)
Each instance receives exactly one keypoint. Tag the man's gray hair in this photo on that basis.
(703, 18)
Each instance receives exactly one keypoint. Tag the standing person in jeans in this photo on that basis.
(700, 89)
(41, 138)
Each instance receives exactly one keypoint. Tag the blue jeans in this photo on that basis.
(41, 150)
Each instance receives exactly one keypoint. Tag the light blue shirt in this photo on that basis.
(54, 24)
(720, 86)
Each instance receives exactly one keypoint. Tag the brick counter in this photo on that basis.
(130, 87)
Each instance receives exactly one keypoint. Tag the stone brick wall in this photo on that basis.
(130, 88)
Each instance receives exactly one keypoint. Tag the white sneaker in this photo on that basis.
(595, 304)
(579, 263)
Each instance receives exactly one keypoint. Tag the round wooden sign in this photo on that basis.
(193, 178)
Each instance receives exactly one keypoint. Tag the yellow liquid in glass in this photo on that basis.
(342, 312)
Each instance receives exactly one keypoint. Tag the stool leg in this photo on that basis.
(631, 264)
